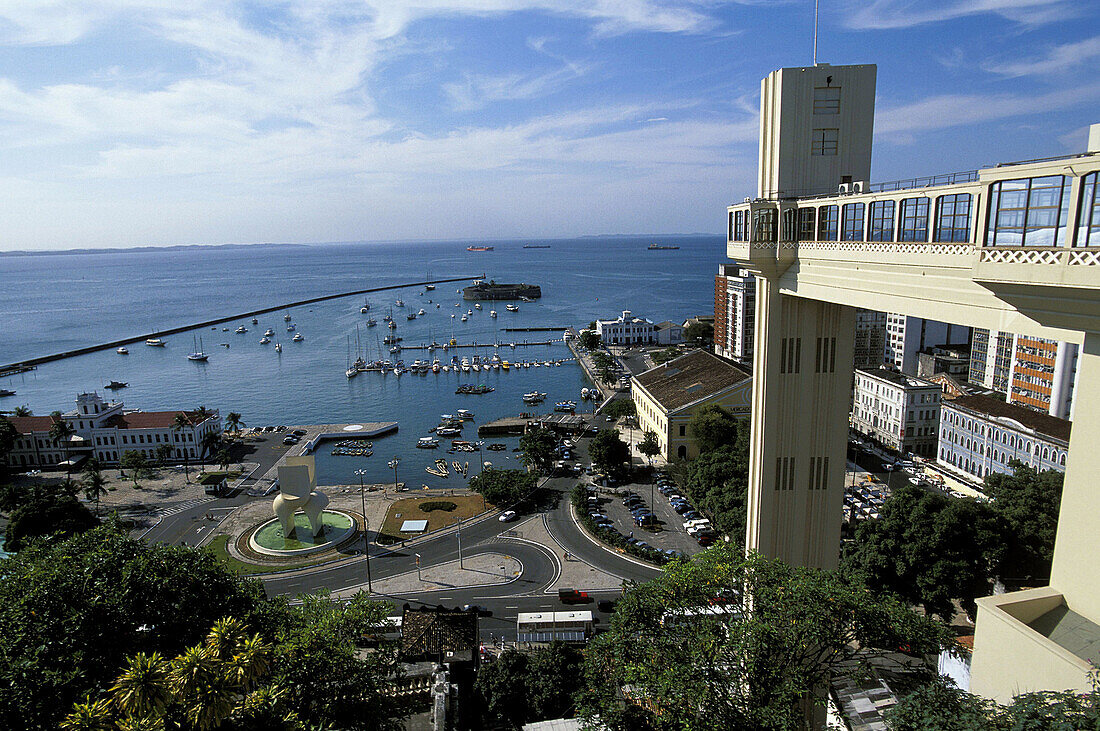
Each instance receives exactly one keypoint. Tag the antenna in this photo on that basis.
(816, 2)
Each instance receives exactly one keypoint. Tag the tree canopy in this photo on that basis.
(713, 427)
(504, 487)
(930, 549)
(649, 446)
(700, 333)
(537, 447)
(590, 340)
(43, 510)
(520, 688)
(689, 658)
(1029, 502)
(718, 482)
(608, 451)
(621, 407)
(7, 438)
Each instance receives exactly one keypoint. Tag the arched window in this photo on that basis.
(1046, 453)
(682, 452)
(1062, 459)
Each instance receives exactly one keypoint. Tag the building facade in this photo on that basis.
(666, 397)
(981, 435)
(991, 359)
(870, 339)
(906, 336)
(1038, 373)
(734, 313)
(953, 360)
(626, 329)
(668, 333)
(898, 411)
(107, 430)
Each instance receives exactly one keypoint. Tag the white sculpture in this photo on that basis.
(296, 492)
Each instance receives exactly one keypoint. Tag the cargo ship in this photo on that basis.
(479, 248)
(660, 247)
(494, 291)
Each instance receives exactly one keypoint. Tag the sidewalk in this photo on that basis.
(482, 569)
(574, 573)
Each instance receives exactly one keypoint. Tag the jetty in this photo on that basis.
(29, 363)
(476, 344)
(562, 328)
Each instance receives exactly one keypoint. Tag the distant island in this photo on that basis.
(140, 249)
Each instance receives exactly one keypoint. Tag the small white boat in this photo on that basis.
(122, 351)
(265, 340)
(420, 311)
(465, 318)
(291, 328)
(255, 321)
(268, 333)
(297, 337)
(435, 366)
(465, 414)
(286, 317)
(512, 308)
(399, 303)
(278, 347)
(427, 443)
(351, 372)
(492, 313)
(155, 342)
(241, 330)
(477, 305)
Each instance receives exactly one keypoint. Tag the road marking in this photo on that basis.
(511, 606)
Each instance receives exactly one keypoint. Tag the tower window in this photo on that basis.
(825, 142)
(827, 100)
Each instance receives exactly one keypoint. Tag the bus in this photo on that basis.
(549, 626)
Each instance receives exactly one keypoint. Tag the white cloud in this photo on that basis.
(1057, 60)
(889, 14)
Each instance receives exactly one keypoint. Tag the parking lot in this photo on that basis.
(654, 521)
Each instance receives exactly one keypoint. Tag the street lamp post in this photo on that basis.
(393, 465)
(460, 543)
(366, 525)
(418, 578)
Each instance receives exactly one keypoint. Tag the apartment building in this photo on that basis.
(734, 313)
(897, 410)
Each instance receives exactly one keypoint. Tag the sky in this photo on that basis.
(151, 122)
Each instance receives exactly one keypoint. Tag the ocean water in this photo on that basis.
(56, 303)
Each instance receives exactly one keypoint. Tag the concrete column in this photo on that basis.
(802, 375)
(1062, 380)
(1075, 572)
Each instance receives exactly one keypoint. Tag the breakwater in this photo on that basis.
(29, 363)
(534, 329)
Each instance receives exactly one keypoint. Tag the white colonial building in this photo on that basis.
(107, 430)
(626, 329)
(734, 313)
(898, 411)
(980, 435)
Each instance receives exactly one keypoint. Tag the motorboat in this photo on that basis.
(465, 414)
(410, 316)
(427, 443)
(512, 308)
(372, 322)
(477, 305)
(298, 337)
(155, 342)
(351, 372)
(420, 312)
(399, 303)
(465, 318)
(122, 351)
(265, 340)
(278, 347)
(365, 308)
(291, 328)
(505, 365)
(268, 333)
(286, 317)
(492, 313)
(435, 366)
(197, 354)
(255, 321)
(241, 330)
(392, 325)
(113, 385)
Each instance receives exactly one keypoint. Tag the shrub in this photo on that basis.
(437, 505)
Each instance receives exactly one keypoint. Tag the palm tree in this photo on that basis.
(60, 431)
(164, 453)
(224, 459)
(208, 446)
(95, 485)
(22, 411)
(142, 689)
(181, 422)
(233, 423)
(90, 716)
(198, 680)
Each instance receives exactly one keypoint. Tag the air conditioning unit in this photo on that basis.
(860, 186)
(844, 188)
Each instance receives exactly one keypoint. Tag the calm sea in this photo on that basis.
(54, 303)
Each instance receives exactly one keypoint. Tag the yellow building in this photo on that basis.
(667, 396)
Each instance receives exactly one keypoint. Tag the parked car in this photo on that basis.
(572, 596)
(290, 440)
(506, 516)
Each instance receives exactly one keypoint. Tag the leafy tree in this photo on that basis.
(590, 340)
(700, 333)
(163, 454)
(180, 423)
(23, 410)
(602, 360)
(538, 448)
(44, 511)
(72, 612)
(621, 407)
(7, 438)
(1029, 501)
(712, 427)
(608, 451)
(60, 431)
(691, 666)
(209, 446)
(519, 687)
(718, 482)
(504, 487)
(95, 485)
(929, 549)
(649, 446)
(664, 356)
(135, 463)
(941, 705)
(224, 459)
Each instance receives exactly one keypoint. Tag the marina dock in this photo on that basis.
(476, 344)
(508, 426)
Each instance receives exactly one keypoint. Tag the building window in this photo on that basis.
(827, 223)
(952, 218)
(683, 430)
(1088, 231)
(853, 222)
(807, 222)
(824, 142)
(789, 228)
(882, 221)
(763, 222)
(1029, 212)
(914, 219)
(827, 100)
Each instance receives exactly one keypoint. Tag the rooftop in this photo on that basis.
(898, 379)
(689, 378)
(28, 424)
(1036, 421)
(150, 419)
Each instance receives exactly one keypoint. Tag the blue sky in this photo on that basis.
(151, 122)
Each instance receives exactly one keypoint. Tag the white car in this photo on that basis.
(507, 515)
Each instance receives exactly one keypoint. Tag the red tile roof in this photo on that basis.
(149, 419)
(28, 424)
